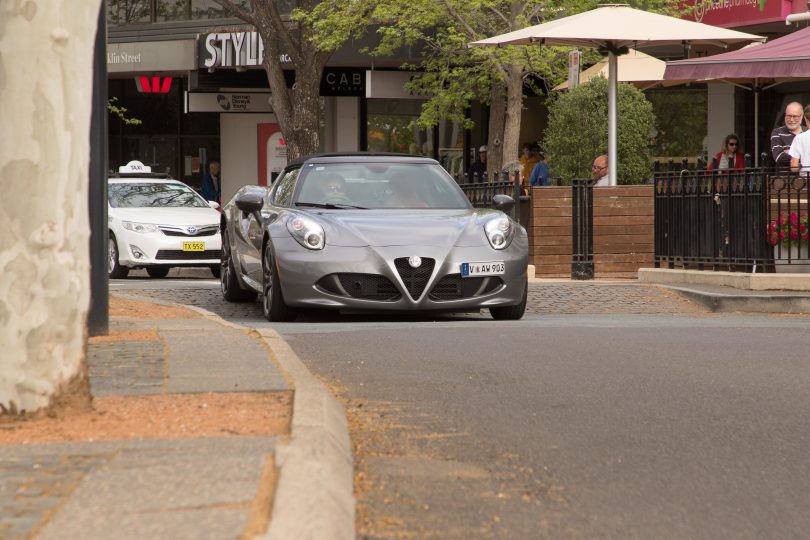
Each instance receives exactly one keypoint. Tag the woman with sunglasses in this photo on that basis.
(730, 157)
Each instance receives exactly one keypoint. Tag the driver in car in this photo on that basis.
(334, 188)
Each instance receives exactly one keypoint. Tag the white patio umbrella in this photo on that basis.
(615, 28)
(635, 67)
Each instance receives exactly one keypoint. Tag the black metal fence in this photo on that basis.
(582, 229)
(480, 191)
(750, 220)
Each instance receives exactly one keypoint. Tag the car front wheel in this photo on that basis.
(116, 271)
(273, 302)
(158, 271)
(228, 282)
(511, 313)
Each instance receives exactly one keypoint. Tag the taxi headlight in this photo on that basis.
(306, 232)
(139, 227)
(499, 232)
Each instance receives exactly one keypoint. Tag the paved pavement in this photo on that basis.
(203, 488)
(191, 488)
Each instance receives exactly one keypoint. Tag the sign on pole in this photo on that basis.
(573, 68)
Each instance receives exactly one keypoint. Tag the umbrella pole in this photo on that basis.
(613, 85)
(756, 123)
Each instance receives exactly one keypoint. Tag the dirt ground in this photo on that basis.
(169, 416)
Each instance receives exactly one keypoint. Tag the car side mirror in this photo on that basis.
(504, 203)
(213, 204)
(250, 203)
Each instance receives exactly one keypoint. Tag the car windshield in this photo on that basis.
(379, 185)
(157, 194)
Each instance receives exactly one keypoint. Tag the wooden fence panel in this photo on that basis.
(622, 231)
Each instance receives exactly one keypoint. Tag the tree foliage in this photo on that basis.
(307, 37)
(577, 131)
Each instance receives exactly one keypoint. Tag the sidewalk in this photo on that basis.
(201, 429)
(735, 291)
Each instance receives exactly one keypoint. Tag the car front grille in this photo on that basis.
(455, 287)
(207, 230)
(180, 255)
(362, 286)
(415, 279)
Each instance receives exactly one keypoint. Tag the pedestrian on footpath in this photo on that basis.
(211, 182)
(782, 137)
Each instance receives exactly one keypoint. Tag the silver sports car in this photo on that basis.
(371, 232)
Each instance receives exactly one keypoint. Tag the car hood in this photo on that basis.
(167, 216)
(380, 228)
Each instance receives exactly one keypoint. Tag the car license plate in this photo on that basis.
(473, 269)
(193, 246)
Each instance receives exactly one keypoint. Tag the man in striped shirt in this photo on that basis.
(782, 137)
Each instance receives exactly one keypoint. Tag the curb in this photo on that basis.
(750, 303)
(314, 496)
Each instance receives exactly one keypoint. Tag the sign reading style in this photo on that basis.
(233, 49)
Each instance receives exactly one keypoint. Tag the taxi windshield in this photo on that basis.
(158, 194)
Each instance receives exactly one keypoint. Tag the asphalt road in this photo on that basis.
(609, 411)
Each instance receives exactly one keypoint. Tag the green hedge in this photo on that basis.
(578, 128)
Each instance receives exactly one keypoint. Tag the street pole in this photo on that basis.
(98, 317)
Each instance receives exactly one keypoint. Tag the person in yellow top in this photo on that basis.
(528, 159)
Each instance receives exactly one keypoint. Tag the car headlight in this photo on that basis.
(307, 232)
(499, 232)
(139, 227)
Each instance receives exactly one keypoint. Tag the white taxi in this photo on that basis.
(157, 223)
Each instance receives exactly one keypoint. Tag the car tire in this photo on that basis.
(216, 270)
(116, 271)
(511, 313)
(158, 272)
(273, 305)
(228, 282)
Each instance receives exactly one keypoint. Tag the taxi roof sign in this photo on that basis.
(134, 167)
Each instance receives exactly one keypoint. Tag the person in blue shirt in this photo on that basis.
(211, 185)
(540, 173)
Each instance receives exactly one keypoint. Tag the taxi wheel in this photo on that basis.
(158, 271)
(273, 305)
(116, 271)
(511, 313)
(216, 270)
(228, 282)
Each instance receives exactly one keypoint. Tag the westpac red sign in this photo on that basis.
(153, 85)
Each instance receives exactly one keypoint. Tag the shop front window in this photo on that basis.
(680, 123)
(124, 12)
(392, 127)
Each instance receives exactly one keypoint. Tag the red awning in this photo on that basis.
(787, 57)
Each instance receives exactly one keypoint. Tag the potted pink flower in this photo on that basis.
(788, 233)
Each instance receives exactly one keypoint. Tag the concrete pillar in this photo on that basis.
(720, 117)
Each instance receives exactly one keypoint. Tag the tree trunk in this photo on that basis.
(514, 109)
(497, 116)
(46, 58)
(306, 108)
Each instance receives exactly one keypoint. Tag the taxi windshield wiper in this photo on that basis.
(330, 206)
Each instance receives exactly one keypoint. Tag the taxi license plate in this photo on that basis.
(473, 269)
(193, 246)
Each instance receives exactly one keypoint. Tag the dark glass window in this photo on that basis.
(124, 12)
(284, 188)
